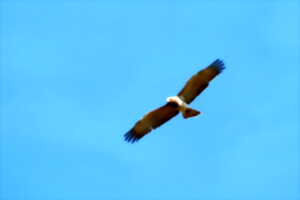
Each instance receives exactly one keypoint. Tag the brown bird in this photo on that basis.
(175, 104)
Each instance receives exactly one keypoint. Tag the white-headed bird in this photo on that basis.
(175, 104)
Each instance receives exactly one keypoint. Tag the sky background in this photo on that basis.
(76, 75)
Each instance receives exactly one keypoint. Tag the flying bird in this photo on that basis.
(175, 104)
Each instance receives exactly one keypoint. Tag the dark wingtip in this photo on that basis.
(219, 65)
(131, 137)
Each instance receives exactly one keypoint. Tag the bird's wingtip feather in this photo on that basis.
(131, 137)
(218, 64)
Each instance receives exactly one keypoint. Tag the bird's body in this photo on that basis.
(175, 104)
(183, 107)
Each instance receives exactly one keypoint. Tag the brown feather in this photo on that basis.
(198, 82)
(151, 121)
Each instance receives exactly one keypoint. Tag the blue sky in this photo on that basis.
(76, 75)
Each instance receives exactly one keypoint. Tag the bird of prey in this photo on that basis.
(175, 104)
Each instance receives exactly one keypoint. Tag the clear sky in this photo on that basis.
(76, 75)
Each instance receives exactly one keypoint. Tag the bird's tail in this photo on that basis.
(189, 112)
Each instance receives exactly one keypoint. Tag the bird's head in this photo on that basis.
(175, 99)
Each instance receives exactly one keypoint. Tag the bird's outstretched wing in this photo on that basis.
(200, 81)
(151, 121)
